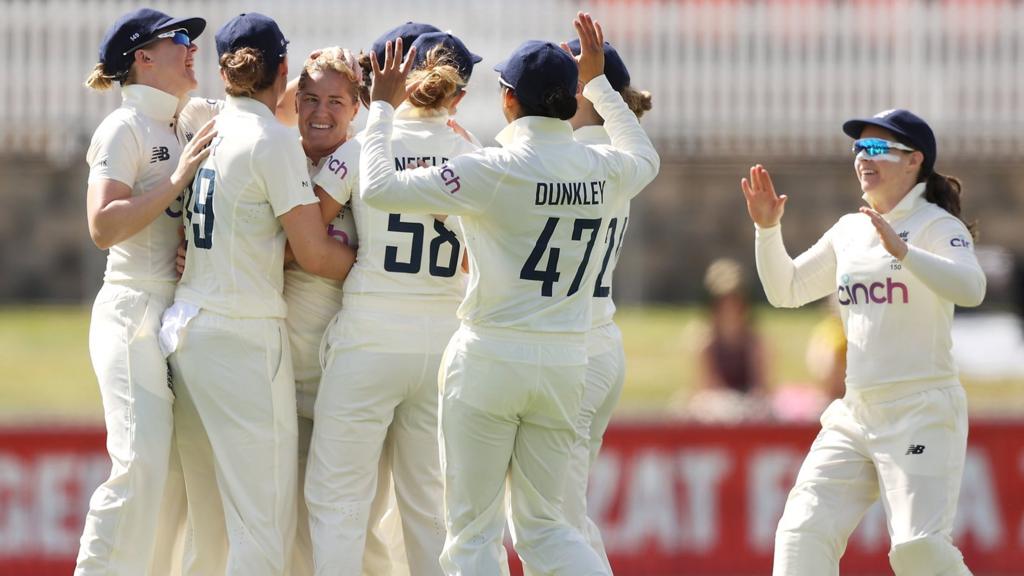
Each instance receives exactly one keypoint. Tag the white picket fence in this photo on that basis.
(729, 77)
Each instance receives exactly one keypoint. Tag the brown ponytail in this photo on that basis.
(245, 72)
(364, 90)
(639, 101)
(438, 79)
(946, 192)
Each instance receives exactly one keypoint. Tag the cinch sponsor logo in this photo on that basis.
(873, 293)
(960, 242)
(338, 167)
(450, 179)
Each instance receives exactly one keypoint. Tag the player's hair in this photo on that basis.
(364, 63)
(246, 73)
(100, 80)
(557, 103)
(639, 101)
(946, 192)
(439, 80)
(340, 60)
(943, 191)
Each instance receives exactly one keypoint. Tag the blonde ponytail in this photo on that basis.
(637, 100)
(438, 78)
(245, 72)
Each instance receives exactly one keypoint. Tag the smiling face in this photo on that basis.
(171, 64)
(894, 171)
(326, 103)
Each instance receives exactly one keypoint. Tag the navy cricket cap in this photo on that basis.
(535, 68)
(136, 29)
(464, 59)
(614, 68)
(905, 124)
(253, 30)
(408, 32)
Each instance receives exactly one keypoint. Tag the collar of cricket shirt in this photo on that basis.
(250, 105)
(152, 102)
(534, 128)
(909, 203)
(592, 134)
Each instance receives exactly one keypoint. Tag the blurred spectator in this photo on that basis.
(731, 365)
(825, 360)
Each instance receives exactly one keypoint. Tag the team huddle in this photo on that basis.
(330, 353)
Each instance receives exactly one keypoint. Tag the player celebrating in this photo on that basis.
(138, 169)
(513, 374)
(900, 432)
(231, 355)
(606, 358)
(327, 101)
(384, 349)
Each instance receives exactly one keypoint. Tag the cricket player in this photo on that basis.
(897, 267)
(139, 164)
(513, 375)
(606, 358)
(383, 351)
(230, 351)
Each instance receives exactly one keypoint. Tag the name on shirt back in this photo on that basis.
(570, 193)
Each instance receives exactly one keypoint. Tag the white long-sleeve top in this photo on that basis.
(896, 314)
(532, 211)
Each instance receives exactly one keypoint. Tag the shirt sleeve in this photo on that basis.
(946, 263)
(792, 283)
(279, 161)
(639, 160)
(197, 112)
(339, 174)
(462, 186)
(114, 153)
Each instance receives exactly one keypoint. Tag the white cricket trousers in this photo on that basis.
(902, 442)
(509, 401)
(123, 529)
(380, 375)
(237, 374)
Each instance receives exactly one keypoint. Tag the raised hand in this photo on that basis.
(890, 239)
(765, 207)
(591, 58)
(389, 78)
(193, 155)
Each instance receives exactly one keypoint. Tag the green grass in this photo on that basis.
(46, 371)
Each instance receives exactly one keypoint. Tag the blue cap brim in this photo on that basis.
(853, 128)
(475, 58)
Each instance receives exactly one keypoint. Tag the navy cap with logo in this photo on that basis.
(464, 59)
(614, 68)
(904, 124)
(136, 29)
(408, 32)
(535, 68)
(253, 30)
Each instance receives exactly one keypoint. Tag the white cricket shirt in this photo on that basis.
(299, 284)
(603, 307)
(897, 314)
(255, 173)
(532, 211)
(139, 145)
(408, 255)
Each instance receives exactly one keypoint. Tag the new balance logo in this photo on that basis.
(160, 153)
(915, 449)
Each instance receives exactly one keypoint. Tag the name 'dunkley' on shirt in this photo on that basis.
(570, 193)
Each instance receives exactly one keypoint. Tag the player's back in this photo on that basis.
(535, 251)
(409, 256)
(255, 173)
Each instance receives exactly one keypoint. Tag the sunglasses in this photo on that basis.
(179, 37)
(877, 146)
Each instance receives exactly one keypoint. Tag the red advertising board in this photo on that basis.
(671, 499)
